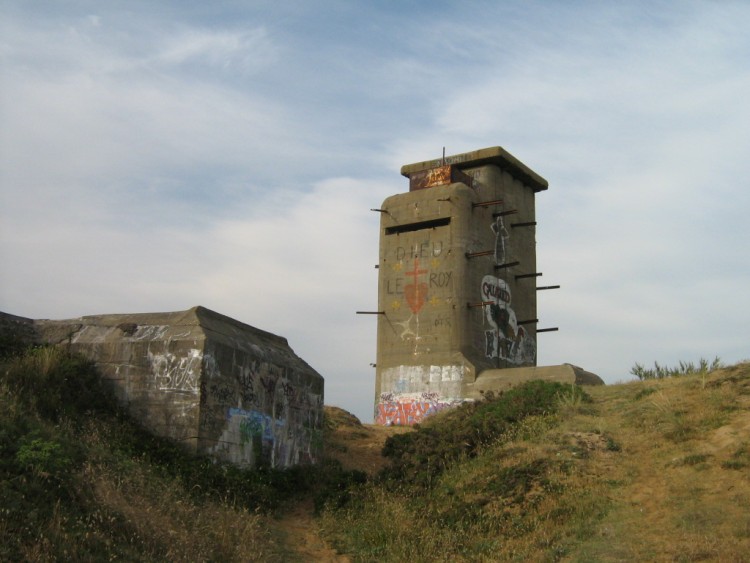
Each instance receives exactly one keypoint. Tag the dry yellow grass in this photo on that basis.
(651, 471)
(683, 473)
(355, 445)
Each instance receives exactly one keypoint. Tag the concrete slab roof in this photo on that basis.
(490, 155)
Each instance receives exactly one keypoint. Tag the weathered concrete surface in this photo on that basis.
(496, 380)
(213, 384)
(457, 284)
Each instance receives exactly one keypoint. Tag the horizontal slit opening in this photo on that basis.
(418, 226)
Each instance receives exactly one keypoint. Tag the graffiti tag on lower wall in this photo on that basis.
(253, 424)
(252, 437)
(505, 339)
(407, 409)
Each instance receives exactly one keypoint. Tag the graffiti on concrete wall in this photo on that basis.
(407, 409)
(412, 378)
(415, 292)
(417, 391)
(177, 373)
(254, 424)
(255, 437)
(268, 416)
(501, 234)
(417, 282)
(505, 339)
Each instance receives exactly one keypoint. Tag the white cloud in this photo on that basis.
(241, 51)
(156, 158)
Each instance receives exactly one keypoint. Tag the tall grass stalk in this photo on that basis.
(659, 371)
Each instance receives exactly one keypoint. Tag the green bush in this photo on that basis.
(59, 425)
(43, 457)
(419, 457)
(54, 383)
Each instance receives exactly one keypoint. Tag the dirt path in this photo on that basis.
(301, 536)
(356, 446)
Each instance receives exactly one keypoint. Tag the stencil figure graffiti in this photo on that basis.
(501, 233)
(506, 339)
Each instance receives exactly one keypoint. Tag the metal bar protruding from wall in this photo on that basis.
(542, 287)
(554, 329)
(480, 304)
(528, 322)
(504, 213)
(523, 276)
(481, 253)
(371, 312)
(488, 203)
(380, 210)
(506, 265)
(526, 224)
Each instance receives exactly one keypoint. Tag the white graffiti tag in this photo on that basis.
(177, 373)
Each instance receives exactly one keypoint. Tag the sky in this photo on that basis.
(159, 155)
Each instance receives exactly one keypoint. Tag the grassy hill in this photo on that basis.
(655, 470)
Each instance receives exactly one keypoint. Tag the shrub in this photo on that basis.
(54, 383)
(419, 457)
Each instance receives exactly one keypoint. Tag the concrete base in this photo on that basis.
(497, 380)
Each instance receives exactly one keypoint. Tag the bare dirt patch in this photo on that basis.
(355, 445)
(302, 539)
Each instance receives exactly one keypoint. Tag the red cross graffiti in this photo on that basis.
(415, 292)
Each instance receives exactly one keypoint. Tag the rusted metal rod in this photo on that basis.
(542, 287)
(528, 322)
(504, 213)
(506, 265)
(371, 312)
(534, 275)
(526, 224)
(487, 203)
(482, 253)
(555, 329)
(480, 304)
(380, 210)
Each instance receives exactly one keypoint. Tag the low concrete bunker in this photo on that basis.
(215, 385)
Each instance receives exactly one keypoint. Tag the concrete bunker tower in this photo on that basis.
(457, 307)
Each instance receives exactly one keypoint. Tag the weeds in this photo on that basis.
(694, 459)
(683, 368)
(740, 459)
(80, 480)
(645, 392)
